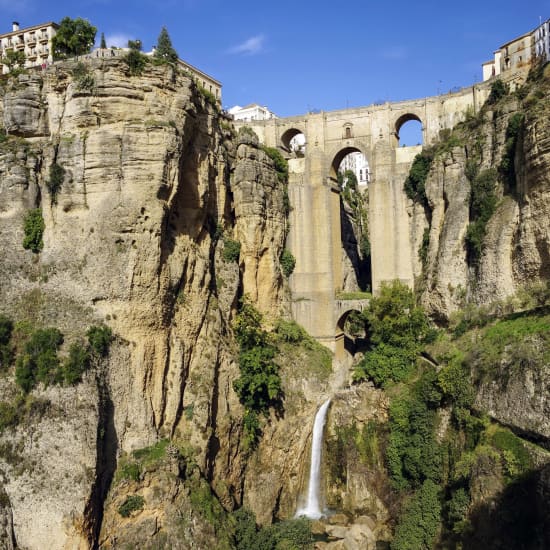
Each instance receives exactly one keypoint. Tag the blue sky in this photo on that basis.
(298, 56)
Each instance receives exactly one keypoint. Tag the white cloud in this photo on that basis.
(252, 46)
(118, 40)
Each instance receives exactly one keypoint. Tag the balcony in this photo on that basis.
(31, 40)
(32, 56)
(43, 38)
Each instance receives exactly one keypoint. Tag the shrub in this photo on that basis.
(100, 338)
(6, 352)
(424, 246)
(259, 384)
(418, 525)
(245, 529)
(398, 330)
(290, 331)
(483, 202)
(507, 167)
(279, 162)
(131, 504)
(39, 361)
(288, 262)
(247, 135)
(415, 184)
(231, 250)
(76, 363)
(34, 230)
(498, 90)
(57, 175)
(135, 60)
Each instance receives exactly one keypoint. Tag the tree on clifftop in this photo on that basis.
(165, 50)
(73, 37)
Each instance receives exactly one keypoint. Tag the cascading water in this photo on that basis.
(312, 508)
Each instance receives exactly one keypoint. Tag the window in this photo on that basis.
(348, 132)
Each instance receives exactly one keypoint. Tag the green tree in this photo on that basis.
(419, 523)
(398, 330)
(165, 50)
(135, 60)
(14, 60)
(73, 37)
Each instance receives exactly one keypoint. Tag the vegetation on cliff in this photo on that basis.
(438, 447)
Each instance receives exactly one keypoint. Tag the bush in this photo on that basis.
(483, 202)
(418, 525)
(398, 330)
(76, 363)
(507, 167)
(259, 385)
(100, 338)
(57, 175)
(290, 331)
(131, 504)
(288, 262)
(134, 59)
(413, 455)
(34, 230)
(39, 361)
(415, 184)
(6, 352)
(498, 90)
(231, 250)
(279, 162)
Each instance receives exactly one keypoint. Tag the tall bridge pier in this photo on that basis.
(315, 237)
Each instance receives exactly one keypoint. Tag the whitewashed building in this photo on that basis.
(358, 164)
(35, 42)
(542, 40)
(251, 112)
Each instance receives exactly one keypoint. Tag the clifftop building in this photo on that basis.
(35, 42)
(517, 55)
(251, 112)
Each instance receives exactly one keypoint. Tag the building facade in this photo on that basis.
(542, 41)
(35, 42)
(518, 55)
(251, 112)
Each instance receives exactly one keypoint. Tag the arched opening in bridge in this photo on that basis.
(350, 169)
(351, 327)
(408, 131)
(294, 142)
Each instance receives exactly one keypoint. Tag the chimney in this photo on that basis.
(15, 26)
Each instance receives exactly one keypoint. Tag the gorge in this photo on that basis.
(155, 389)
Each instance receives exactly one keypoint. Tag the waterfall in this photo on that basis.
(312, 508)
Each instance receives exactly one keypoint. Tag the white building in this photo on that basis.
(542, 40)
(35, 42)
(518, 54)
(357, 163)
(251, 112)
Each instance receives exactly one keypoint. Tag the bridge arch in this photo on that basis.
(347, 340)
(340, 155)
(404, 119)
(288, 136)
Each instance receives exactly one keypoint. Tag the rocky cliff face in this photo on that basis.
(152, 185)
(516, 244)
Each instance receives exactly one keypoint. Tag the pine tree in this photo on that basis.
(165, 50)
(103, 44)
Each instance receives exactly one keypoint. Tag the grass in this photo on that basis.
(358, 295)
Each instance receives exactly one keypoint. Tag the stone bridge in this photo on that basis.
(315, 233)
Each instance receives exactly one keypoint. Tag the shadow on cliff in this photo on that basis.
(519, 518)
(106, 462)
